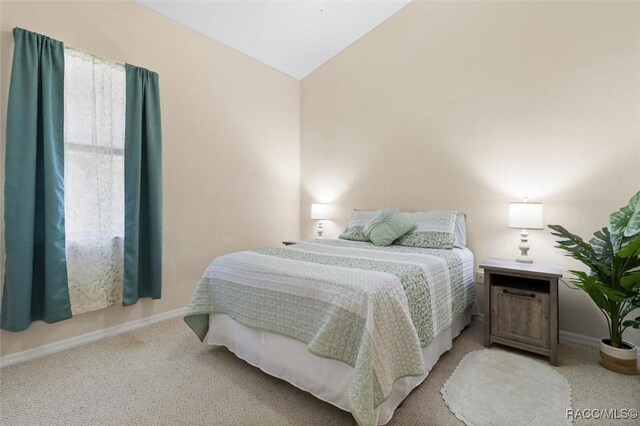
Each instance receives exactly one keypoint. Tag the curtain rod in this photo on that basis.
(103, 58)
(86, 53)
(70, 47)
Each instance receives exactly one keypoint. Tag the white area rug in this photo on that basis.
(495, 387)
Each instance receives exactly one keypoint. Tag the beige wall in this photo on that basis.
(465, 106)
(473, 105)
(231, 144)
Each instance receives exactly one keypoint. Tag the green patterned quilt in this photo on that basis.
(371, 307)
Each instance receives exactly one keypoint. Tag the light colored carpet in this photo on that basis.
(162, 375)
(496, 387)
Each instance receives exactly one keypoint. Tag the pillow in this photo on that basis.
(460, 234)
(355, 224)
(387, 226)
(434, 230)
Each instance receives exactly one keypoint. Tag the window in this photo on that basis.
(72, 243)
(94, 126)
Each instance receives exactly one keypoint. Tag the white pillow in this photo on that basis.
(460, 233)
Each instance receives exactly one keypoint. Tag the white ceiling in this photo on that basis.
(294, 36)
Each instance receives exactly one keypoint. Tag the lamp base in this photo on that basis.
(320, 230)
(524, 248)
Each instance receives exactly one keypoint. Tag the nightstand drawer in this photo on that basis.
(520, 314)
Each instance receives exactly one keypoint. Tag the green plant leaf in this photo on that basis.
(603, 243)
(583, 281)
(613, 295)
(634, 202)
(626, 221)
(630, 281)
(630, 307)
(635, 323)
(599, 293)
(575, 246)
(633, 228)
(631, 248)
(618, 220)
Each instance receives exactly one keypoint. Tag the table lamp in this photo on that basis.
(524, 216)
(320, 212)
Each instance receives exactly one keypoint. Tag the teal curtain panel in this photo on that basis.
(35, 285)
(142, 187)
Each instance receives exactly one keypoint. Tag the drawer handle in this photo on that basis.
(513, 293)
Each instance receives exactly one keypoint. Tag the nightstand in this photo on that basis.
(521, 306)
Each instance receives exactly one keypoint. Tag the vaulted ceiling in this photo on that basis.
(295, 37)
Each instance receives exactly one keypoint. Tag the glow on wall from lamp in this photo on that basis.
(326, 189)
(541, 170)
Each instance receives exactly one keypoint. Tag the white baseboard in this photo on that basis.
(580, 339)
(568, 337)
(94, 336)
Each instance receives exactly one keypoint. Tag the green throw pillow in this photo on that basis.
(387, 226)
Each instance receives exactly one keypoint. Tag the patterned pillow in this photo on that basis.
(356, 221)
(434, 230)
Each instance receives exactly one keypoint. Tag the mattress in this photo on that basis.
(374, 309)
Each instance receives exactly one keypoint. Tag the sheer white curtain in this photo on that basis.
(94, 179)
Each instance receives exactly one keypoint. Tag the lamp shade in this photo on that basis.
(320, 211)
(525, 215)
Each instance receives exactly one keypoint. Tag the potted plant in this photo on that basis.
(613, 280)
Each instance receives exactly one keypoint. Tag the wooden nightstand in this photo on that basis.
(521, 306)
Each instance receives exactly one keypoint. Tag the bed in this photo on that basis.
(356, 325)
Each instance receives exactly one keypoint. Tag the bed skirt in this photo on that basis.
(326, 379)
